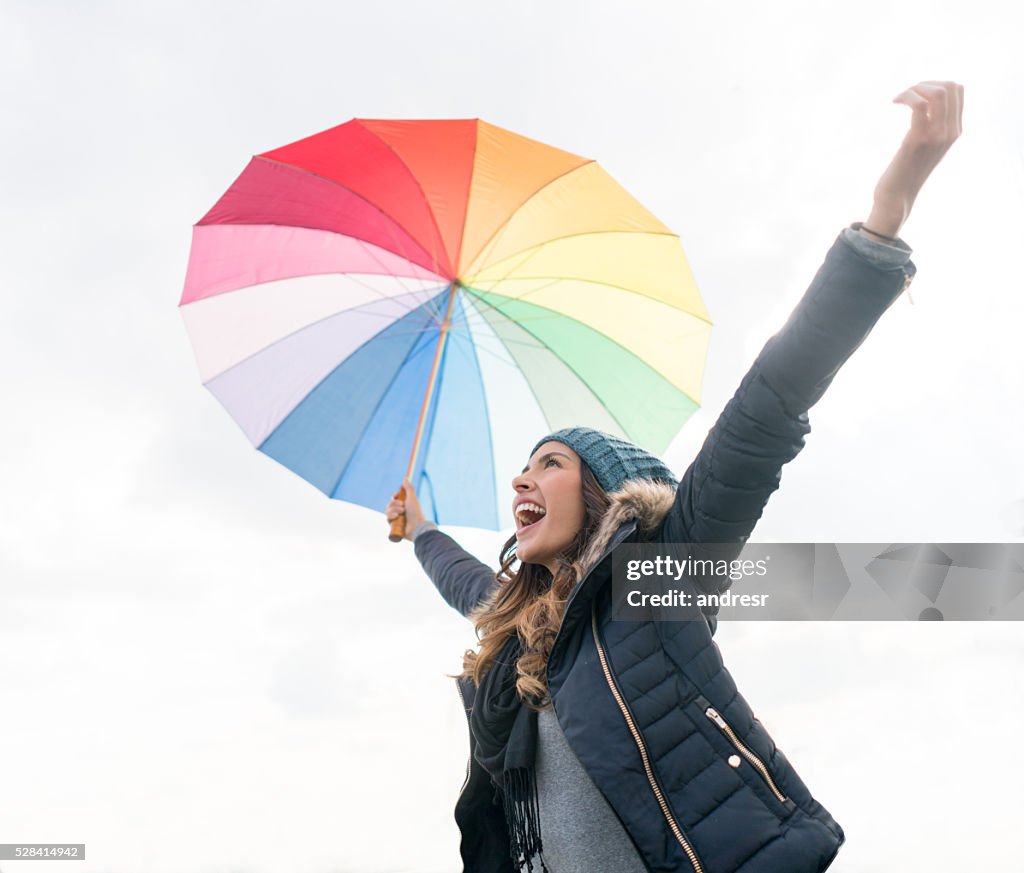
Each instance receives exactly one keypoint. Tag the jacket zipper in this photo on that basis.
(758, 764)
(677, 831)
(905, 289)
(469, 760)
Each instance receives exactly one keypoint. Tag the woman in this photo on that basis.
(600, 745)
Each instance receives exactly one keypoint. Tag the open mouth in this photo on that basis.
(529, 514)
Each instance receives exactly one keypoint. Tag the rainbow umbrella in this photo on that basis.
(426, 298)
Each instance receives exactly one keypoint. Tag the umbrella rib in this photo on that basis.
(469, 193)
(429, 322)
(466, 332)
(555, 315)
(372, 416)
(419, 302)
(500, 229)
(535, 249)
(605, 336)
(571, 369)
(483, 394)
(426, 202)
(357, 239)
(365, 243)
(556, 279)
(505, 343)
(510, 270)
(372, 205)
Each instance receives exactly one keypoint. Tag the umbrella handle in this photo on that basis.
(397, 532)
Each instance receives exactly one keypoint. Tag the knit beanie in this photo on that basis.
(613, 460)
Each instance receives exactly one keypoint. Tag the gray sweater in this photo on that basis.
(581, 834)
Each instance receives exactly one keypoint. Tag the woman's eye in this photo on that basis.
(551, 461)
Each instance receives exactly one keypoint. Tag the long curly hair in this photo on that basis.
(530, 602)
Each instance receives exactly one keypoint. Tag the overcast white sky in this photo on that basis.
(205, 665)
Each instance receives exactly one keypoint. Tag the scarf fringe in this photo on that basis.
(522, 815)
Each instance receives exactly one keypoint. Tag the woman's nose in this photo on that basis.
(521, 483)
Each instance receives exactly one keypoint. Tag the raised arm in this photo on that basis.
(725, 489)
(723, 493)
(462, 580)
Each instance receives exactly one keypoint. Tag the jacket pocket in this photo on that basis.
(742, 752)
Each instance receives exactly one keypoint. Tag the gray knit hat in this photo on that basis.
(613, 460)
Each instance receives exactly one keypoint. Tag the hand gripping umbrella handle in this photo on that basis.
(397, 532)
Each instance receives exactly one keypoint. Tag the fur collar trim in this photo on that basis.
(642, 500)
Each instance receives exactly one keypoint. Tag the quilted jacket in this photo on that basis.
(648, 707)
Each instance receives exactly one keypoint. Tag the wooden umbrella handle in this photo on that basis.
(397, 532)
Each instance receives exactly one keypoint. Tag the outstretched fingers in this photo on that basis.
(937, 113)
(936, 118)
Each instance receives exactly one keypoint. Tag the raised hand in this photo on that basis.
(935, 124)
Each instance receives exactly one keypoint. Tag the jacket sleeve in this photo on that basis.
(724, 491)
(464, 581)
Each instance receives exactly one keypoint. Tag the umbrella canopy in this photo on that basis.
(431, 297)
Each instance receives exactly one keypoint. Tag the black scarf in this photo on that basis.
(505, 731)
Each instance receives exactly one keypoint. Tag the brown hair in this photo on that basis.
(530, 602)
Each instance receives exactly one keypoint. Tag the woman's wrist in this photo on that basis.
(422, 527)
(885, 222)
(874, 234)
(881, 253)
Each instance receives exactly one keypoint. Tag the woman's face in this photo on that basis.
(548, 505)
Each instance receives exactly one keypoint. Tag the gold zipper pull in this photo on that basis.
(712, 713)
(734, 760)
(906, 288)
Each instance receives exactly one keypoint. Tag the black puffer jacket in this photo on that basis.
(633, 697)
